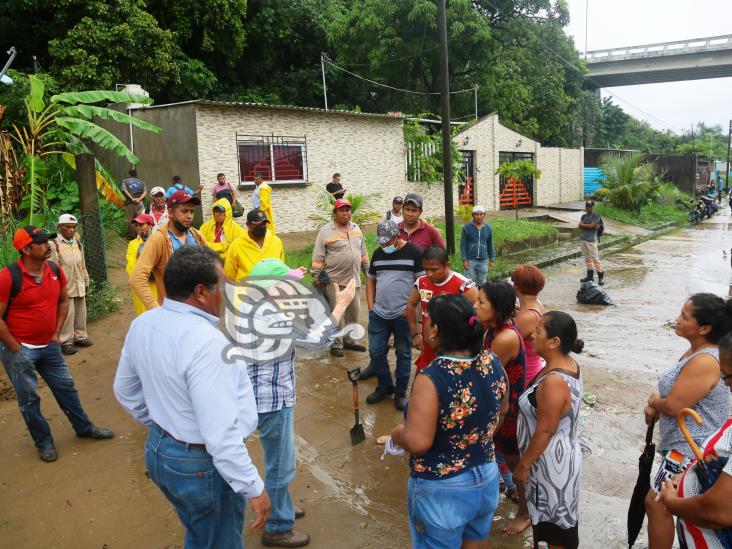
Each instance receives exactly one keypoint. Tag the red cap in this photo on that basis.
(182, 197)
(340, 203)
(144, 218)
(27, 235)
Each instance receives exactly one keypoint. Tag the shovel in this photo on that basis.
(357, 434)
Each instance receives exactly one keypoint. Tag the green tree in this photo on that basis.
(629, 182)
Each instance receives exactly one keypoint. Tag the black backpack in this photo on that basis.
(16, 277)
(600, 229)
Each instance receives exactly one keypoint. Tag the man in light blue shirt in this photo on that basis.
(199, 408)
(178, 186)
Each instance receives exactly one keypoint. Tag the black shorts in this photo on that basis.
(554, 535)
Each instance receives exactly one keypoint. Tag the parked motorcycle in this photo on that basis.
(698, 213)
(710, 205)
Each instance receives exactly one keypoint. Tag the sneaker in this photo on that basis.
(367, 373)
(400, 401)
(352, 346)
(96, 433)
(337, 351)
(68, 349)
(379, 394)
(48, 454)
(83, 343)
(293, 538)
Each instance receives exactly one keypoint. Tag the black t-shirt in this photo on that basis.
(335, 188)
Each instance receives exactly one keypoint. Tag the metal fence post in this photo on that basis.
(91, 221)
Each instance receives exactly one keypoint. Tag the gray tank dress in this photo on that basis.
(713, 409)
(553, 488)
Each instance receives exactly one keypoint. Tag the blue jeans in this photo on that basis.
(379, 331)
(22, 369)
(505, 472)
(444, 512)
(477, 270)
(211, 512)
(277, 434)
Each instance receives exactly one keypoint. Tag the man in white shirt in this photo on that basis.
(395, 214)
(199, 409)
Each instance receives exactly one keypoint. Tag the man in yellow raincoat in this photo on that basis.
(262, 199)
(257, 243)
(143, 224)
(221, 230)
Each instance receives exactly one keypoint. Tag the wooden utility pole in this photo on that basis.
(446, 132)
(91, 222)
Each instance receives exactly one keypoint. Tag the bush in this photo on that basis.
(100, 301)
(629, 184)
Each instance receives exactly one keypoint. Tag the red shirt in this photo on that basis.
(424, 236)
(32, 314)
(455, 284)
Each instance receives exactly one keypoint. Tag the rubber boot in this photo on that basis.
(590, 276)
(600, 277)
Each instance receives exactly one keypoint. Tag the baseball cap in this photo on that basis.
(478, 209)
(28, 235)
(182, 197)
(413, 198)
(157, 190)
(67, 218)
(589, 203)
(257, 216)
(274, 268)
(398, 200)
(386, 231)
(144, 218)
(340, 203)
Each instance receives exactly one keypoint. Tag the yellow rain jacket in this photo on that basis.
(132, 249)
(265, 204)
(244, 253)
(232, 230)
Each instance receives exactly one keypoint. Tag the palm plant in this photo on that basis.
(65, 126)
(629, 183)
(361, 215)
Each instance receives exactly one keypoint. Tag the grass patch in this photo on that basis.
(670, 205)
(505, 230)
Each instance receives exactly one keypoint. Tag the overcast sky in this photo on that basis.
(618, 23)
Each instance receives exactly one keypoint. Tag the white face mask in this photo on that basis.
(389, 249)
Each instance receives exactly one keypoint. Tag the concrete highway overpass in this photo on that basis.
(695, 59)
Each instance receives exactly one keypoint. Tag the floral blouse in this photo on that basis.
(469, 393)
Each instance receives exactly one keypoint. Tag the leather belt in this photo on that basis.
(187, 444)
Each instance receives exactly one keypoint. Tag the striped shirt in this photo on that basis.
(395, 275)
(341, 253)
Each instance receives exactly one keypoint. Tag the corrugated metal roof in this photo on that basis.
(397, 116)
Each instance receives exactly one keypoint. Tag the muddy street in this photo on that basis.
(97, 496)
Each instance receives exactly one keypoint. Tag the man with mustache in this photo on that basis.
(33, 307)
(257, 244)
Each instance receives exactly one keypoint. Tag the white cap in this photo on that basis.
(157, 190)
(67, 218)
(478, 209)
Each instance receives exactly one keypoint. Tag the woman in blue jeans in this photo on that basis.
(456, 405)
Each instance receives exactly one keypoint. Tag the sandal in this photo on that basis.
(513, 495)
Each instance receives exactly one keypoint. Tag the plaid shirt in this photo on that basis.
(274, 382)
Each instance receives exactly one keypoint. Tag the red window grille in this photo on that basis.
(277, 159)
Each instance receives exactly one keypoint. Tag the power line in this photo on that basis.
(375, 83)
(584, 76)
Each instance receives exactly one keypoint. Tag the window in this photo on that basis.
(279, 159)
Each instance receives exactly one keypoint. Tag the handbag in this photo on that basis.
(237, 210)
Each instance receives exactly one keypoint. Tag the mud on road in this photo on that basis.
(97, 496)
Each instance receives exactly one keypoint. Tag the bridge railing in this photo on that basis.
(679, 47)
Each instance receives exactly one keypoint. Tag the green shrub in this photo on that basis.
(100, 301)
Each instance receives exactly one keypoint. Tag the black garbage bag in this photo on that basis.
(591, 294)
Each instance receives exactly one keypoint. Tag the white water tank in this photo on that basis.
(137, 90)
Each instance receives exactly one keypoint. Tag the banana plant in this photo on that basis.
(66, 125)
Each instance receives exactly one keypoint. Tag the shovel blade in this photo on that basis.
(357, 434)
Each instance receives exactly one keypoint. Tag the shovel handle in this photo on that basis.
(681, 420)
(353, 374)
(353, 377)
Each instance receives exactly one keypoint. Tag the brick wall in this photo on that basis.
(368, 152)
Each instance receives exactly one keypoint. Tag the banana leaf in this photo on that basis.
(90, 111)
(97, 135)
(107, 189)
(95, 96)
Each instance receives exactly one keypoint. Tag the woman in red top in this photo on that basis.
(495, 309)
(528, 281)
(438, 280)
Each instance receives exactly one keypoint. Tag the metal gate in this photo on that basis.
(466, 186)
(519, 193)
